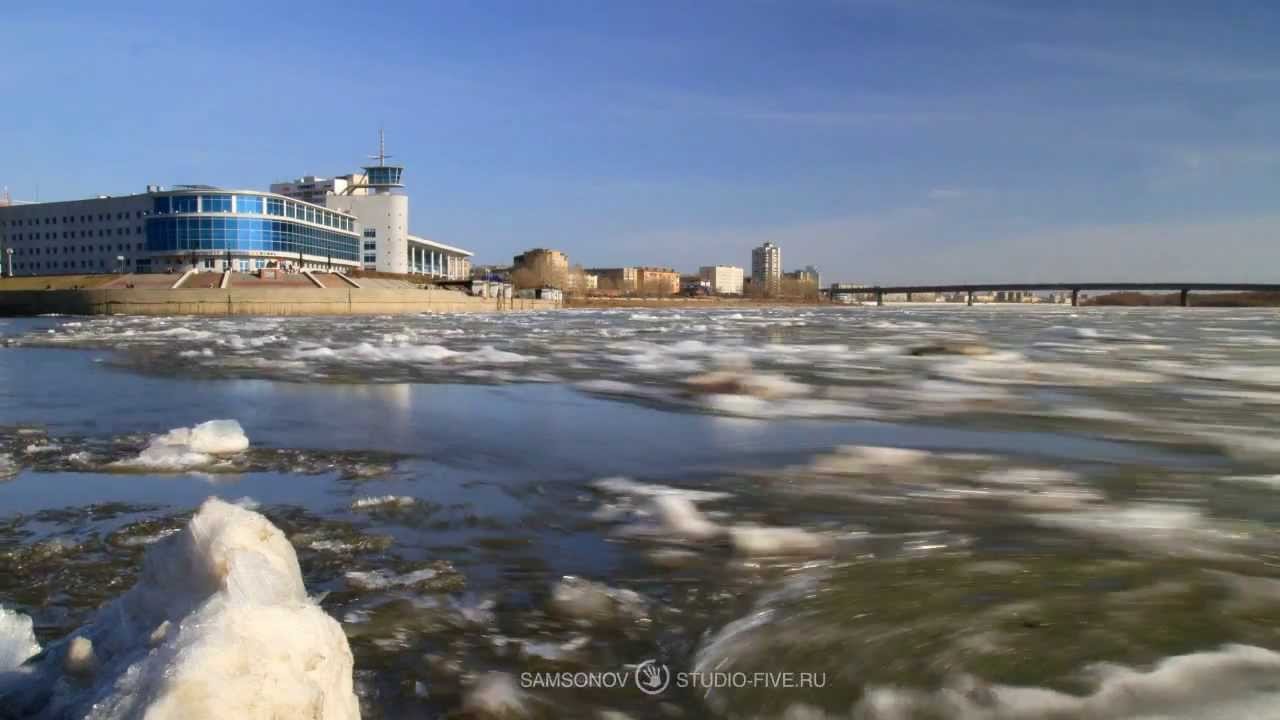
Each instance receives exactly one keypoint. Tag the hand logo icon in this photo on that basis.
(651, 677)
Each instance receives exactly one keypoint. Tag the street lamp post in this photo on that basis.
(120, 262)
(8, 253)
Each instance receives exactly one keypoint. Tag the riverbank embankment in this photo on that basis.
(67, 297)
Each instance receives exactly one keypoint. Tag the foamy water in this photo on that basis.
(954, 512)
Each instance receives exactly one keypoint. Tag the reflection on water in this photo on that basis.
(953, 512)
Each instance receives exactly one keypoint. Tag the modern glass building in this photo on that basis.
(245, 229)
(188, 227)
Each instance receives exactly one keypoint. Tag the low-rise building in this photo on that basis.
(622, 279)
(808, 275)
(540, 267)
(491, 288)
(543, 293)
(657, 281)
(722, 279)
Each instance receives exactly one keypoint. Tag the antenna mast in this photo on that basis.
(382, 155)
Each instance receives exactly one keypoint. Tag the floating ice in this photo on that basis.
(8, 468)
(1236, 681)
(383, 579)
(17, 640)
(627, 486)
(218, 625)
(383, 502)
(185, 448)
(766, 386)
(869, 459)
(585, 601)
(488, 354)
(1159, 527)
(495, 696)
(678, 515)
(769, 541)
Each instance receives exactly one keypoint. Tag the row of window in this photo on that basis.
(252, 205)
(68, 219)
(73, 234)
(248, 234)
(385, 175)
(71, 249)
(33, 267)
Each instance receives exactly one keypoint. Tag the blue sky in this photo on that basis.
(882, 140)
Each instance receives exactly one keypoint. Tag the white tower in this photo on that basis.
(383, 214)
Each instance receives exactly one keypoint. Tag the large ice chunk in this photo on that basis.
(218, 625)
(184, 448)
(17, 640)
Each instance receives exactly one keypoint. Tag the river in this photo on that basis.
(974, 512)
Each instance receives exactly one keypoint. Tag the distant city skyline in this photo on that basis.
(883, 141)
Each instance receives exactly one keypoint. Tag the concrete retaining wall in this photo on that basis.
(253, 301)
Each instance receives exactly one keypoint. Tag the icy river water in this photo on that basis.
(919, 512)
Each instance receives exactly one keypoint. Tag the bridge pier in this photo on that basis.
(879, 298)
(1184, 297)
(1075, 297)
(969, 298)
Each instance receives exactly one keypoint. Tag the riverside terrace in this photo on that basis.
(1184, 289)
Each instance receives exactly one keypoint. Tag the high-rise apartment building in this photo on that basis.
(766, 268)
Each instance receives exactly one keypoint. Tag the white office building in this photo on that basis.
(377, 199)
(722, 279)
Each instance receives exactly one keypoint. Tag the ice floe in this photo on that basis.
(584, 601)
(218, 625)
(1230, 683)
(382, 579)
(17, 640)
(380, 502)
(187, 448)
(497, 696)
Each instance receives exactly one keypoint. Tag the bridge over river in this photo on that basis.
(1184, 289)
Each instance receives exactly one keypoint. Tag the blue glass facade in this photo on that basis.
(182, 223)
(215, 203)
(249, 204)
